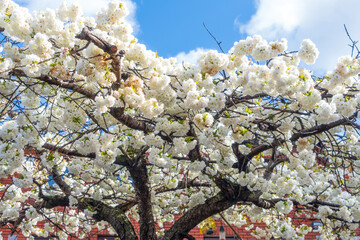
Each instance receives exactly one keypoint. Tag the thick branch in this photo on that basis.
(322, 128)
(182, 185)
(60, 182)
(99, 42)
(120, 159)
(229, 189)
(52, 201)
(58, 82)
(141, 184)
(273, 161)
(264, 203)
(117, 113)
(68, 152)
(194, 216)
(236, 99)
(129, 121)
(114, 216)
(15, 223)
(115, 55)
(243, 160)
(67, 85)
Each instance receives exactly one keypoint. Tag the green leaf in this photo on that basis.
(76, 119)
(204, 117)
(248, 110)
(309, 93)
(248, 145)
(50, 157)
(243, 131)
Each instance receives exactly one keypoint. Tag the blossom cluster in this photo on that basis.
(69, 119)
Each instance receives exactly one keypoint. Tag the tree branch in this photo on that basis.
(68, 152)
(182, 185)
(194, 216)
(120, 159)
(322, 128)
(141, 183)
(231, 227)
(115, 55)
(243, 160)
(60, 182)
(114, 216)
(67, 85)
(118, 113)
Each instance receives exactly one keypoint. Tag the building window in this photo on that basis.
(316, 225)
(12, 237)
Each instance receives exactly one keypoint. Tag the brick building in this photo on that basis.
(211, 234)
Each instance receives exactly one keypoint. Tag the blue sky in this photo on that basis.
(174, 28)
(170, 27)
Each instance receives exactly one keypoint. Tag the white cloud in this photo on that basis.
(320, 20)
(89, 7)
(190, 57)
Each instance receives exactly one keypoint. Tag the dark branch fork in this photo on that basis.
(115, 216)
(115, 55)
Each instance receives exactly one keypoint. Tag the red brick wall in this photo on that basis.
(244, 234)
(194, 232)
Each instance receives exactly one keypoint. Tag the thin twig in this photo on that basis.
(232, 228)
(353, 44)
(218, 43)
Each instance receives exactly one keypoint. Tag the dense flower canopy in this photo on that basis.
(93, 121)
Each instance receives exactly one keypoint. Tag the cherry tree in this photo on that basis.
(95, 123)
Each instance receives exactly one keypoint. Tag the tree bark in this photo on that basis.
(114, 216)
(130, 122)
(141, 184)
(194, 216)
